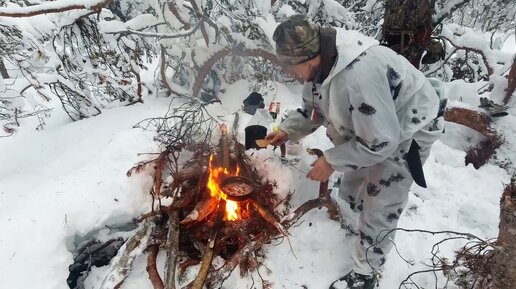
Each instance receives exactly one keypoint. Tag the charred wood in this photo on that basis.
(201, 211)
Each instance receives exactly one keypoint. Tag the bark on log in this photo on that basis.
(172, 247)
(121, 265)
(504, 267)
(480, 122)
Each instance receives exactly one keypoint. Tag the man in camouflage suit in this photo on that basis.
(381, 114)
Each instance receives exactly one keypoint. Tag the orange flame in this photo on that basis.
(214, 178)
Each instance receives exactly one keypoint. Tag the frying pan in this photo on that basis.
(237, 188)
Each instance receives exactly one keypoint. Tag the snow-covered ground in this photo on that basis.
(59, 184)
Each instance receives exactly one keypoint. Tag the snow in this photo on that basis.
(64, 182)
(61, 4)
(67, 183)
(68, 180)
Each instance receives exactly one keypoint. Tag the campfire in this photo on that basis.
(220, 207)
(225, 206)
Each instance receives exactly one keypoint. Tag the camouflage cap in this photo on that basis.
(297, 40)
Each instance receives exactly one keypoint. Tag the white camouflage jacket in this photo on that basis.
(372, 103)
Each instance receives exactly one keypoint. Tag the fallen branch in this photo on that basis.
(198, 283)
(270, 218)
(122, 263)
(480, 122)
(151, 268)
(216, 280)
(172, 247)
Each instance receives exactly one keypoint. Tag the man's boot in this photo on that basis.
(355, 281)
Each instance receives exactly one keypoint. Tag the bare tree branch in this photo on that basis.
(172, 8)
(239, 50)
(448, 9)
(160, 35)
(200, 15)
(152, 269)
(51, 7)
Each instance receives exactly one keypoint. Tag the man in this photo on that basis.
(380, 112)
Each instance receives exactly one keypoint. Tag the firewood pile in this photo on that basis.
(202, 221)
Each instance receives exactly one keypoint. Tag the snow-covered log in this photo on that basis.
(121, 265)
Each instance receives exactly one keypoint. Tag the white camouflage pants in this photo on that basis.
(377, 195)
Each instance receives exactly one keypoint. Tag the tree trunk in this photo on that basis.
(511, 83)
(3, 69)
(504, 267)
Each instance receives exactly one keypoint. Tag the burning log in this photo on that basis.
(208, 251)
(201, 211)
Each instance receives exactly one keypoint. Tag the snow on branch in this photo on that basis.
(121, 265)
(159, 35)
(448, 9)
(479, 51)
(53, 7)
(238, 50)
(496, 61)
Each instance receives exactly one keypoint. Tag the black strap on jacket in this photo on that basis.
(415, 166)
(414, 159)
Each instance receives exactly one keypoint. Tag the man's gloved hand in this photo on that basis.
(321, 170)
(277, 137)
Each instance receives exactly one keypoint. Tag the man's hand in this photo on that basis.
(321, 170)
(277, 138)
